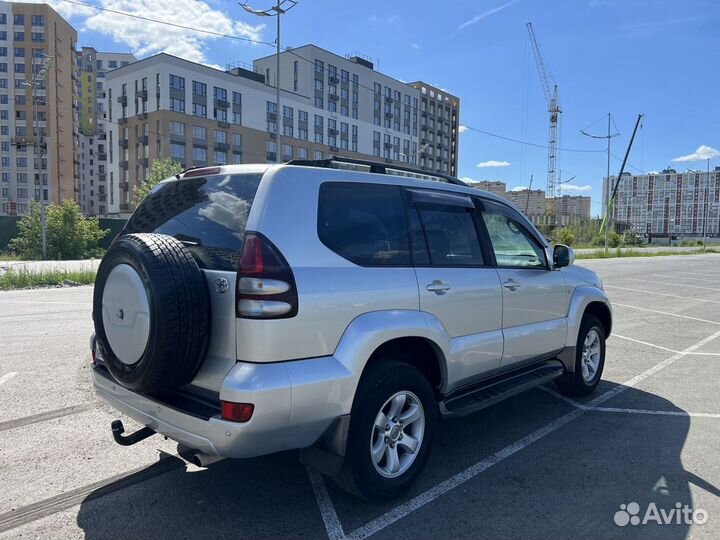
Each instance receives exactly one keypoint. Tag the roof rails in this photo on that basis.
(375, 167)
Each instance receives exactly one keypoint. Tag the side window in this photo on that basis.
(451, 235)
(364, 223)
(511, 242)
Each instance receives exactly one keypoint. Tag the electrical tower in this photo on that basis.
(551, 97)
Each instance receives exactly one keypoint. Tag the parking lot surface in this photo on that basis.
(536, 466)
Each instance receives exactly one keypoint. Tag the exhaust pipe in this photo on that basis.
(197, 458)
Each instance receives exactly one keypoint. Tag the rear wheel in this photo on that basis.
(589, 359)
(392, 427)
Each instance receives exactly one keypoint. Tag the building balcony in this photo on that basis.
(223, 124)
(222, 147)
(102, 157)
(222, 104)
(333, 79)
(142, 94)
(123, 143)
(333, 97)
(122, 100)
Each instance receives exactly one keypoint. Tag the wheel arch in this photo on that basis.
(602, 312)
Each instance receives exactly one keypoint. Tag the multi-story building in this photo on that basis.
(668, 203)
(439, 129)
(166, 106)
(572, 206)
(92, 66)
(37, 52)
(531, 201)
(497, 187)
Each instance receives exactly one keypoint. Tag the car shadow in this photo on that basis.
(568, 484)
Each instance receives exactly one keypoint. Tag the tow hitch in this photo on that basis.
(140, 435)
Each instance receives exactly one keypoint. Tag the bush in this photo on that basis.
(631, 238)
(70, 235)
(566, 236)
(614, 240)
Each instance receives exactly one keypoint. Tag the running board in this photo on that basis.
(500, 387)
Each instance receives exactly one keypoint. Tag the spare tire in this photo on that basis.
(151, 310)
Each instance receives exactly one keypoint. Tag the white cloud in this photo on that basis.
(573, 187)
(462, 129)
(392, 18)
(485, 15)
(701, 154)
(415, 46)
(519, 188)
(493, 163)
(145, 38)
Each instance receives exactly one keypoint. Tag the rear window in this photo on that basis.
(208, 214)
(364, 223)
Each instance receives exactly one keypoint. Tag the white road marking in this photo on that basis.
(625, 411)
(431, 494)
(660, 346)
(688, 277)
(89, 303)
(672, 284)
(327, 510)
(666, 313)
(696, 273)
(661, 294)
(5, 378)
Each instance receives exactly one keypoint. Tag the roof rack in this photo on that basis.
(375, 167)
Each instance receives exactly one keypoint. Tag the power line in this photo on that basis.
(168, 23)
(536, 145)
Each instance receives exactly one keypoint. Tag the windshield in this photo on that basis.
(208, 214)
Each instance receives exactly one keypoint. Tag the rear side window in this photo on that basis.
(208, 215)
(451, 235)
(364, 223)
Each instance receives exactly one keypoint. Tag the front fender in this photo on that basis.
(581, 298)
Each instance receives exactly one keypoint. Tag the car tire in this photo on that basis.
(405, 399)
(589, 359)
(151, 310)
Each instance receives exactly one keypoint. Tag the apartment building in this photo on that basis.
(36, 44)
(166, 106)
(439, 129)
(495, 187)
(668, 202)
(532, 202)
(92, 67)
(574, 206)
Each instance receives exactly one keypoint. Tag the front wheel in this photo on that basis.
(392, 427)
(589, 359)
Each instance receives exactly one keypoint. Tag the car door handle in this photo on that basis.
(511, 284)
(438, 287)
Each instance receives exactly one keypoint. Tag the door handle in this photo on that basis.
(511, 284)
(438, 287)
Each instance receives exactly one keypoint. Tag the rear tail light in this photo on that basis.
(236, 412)
(265, 283)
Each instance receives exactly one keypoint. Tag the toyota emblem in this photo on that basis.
(221, 285)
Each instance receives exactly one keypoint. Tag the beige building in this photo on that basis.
(36, 41)
(496, 187)
(572, 206)
(532, 202)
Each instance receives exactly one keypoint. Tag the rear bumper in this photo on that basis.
(295, 402)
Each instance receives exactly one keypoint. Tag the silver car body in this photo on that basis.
(302, 372)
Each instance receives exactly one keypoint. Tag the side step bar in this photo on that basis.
(496, 389)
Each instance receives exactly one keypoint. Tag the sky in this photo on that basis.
(623, 57)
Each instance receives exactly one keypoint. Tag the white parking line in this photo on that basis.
(666, 313)
(676, 284)
(5, 378)
(661, 294)
(460, 478)
(327, 510)
(696, 273)
(661, 347)
(687, 277)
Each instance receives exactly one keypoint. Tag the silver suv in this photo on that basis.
(337, 306)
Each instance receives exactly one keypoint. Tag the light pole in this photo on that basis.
(38, 76)
(275, 11)
(707, 206)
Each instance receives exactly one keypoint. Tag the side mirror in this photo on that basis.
(563, 256)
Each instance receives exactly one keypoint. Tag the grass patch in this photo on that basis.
(8, 257)
(617, 252)
(22, 279)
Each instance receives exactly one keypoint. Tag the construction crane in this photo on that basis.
(551, 97)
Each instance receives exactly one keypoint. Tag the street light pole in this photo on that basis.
(707, 206)
(275, 11)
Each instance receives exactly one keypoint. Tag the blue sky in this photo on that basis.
(658, 57)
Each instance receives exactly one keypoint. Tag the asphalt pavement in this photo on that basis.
(538, 466)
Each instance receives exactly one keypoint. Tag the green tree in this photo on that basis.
(70, 235)
(566, 236)
(160, 170)
(614, 240)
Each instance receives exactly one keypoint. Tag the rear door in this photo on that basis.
(456, 281)
(535, 297)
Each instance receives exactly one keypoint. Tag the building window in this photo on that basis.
(220, 157)
(177, 105)
(18, 19)
(177, 151)
(237, 139)
(318, 102)
(220, 93)
(319, 66)
(271, 150)
(177, 83)
(220, 136)
(271, 107)
(287, 130)
(287, 151)
(302, 152)
(199, 132)
(317, 154)
(38, 37)
(199, 110)
(295, 75)
(198, 88)
(177, 128)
